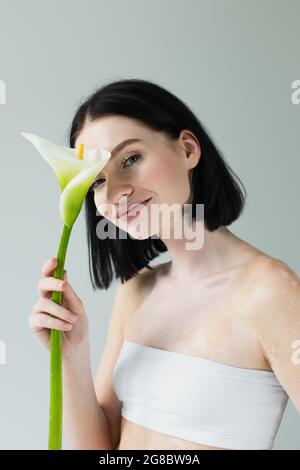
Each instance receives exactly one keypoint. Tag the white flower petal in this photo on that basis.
(96, 155)
(71, 199)
(75, 175)
(64, 162)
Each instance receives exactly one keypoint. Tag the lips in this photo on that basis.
(132, 205)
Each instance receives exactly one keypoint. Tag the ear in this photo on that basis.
(189, 144)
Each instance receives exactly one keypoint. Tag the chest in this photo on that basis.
(211, 319)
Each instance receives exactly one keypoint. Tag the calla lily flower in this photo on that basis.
(75, 171)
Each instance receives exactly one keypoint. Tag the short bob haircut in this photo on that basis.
(214, 184)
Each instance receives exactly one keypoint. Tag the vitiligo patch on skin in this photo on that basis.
(240, 342)
(281, 271)
(214, 323)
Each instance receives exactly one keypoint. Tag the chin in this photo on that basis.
(139, 231)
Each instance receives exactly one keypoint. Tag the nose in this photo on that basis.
(117, 197)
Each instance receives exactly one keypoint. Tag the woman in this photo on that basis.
(200, 351)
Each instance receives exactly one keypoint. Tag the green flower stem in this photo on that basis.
(56, 396)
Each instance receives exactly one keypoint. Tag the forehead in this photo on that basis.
(107, 132)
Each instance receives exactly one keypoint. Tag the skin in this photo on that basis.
(227, 301)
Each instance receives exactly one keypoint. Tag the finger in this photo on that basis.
(41, 320)
(48, 267)
(51, 307)
(47, 285)
(70, 298)
(43, 333)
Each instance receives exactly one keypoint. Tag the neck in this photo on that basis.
(214, 252)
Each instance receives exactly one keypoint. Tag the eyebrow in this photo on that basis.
(123, 144)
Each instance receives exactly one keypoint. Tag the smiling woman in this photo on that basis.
(168, 130)
(197, 354)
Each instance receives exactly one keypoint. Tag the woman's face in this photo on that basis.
(155, 167)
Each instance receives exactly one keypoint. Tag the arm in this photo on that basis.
(278, 323)
(128, 296)
(92, 411)
(85, 423)
(83, 418)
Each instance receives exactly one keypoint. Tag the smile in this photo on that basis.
(135, 211)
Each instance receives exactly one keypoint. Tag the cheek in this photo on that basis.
(155, 174)
(170, 178)
(101, 207)
(161, 173)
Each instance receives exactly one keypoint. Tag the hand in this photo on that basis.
(69, 317)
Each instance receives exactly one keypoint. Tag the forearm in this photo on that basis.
(84, 422)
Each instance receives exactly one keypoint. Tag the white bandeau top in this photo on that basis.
(198, 399)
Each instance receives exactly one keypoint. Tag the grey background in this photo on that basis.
(232, 61)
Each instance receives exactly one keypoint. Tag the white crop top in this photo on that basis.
(198, 399)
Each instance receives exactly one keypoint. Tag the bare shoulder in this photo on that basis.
(275, 294)
(268, 274)
(271, 287)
